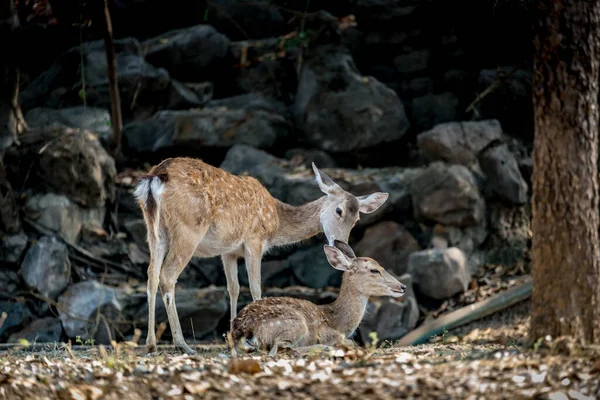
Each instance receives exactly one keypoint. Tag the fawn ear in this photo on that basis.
(344, 248)
(326, 184)
(337, 259)
(370, 203)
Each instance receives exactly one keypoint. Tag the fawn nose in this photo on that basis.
(403, 287)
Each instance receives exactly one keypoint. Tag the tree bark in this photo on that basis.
(565, 216)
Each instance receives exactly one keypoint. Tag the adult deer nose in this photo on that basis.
(403, 287)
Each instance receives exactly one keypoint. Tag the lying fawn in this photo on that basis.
(276, 321)
(194, 209)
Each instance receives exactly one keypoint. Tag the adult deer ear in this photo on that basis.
(326, 184)
(370, 203)
(344, 248)
(336, 258)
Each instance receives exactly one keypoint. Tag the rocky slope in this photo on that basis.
(375, 106)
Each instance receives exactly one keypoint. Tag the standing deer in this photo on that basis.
(275, 321)
(194, 209)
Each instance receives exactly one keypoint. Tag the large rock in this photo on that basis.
(44, 330)
(143, 88)
(79, 307)
(297, 185)
(339, 110)
(390, 318)
(390, 244)
(77, 165)
(447, 194)
(92, 119)
(61, 215)
(64, 161)
(440, 273)
(459, 142)
(503, 174)
(208, 127)
(192, 54)
(46, 267)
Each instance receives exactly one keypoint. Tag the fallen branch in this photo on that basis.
(468, 314)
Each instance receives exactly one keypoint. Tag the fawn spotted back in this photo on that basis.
(271, 322)
(194, 209)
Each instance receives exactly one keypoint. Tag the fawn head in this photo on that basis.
(370, 278)
(341, 209)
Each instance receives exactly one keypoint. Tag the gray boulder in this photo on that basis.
(459, 142)
(79, 307)
(440, 273)
(339, 110)
(447, 194)
(46, 267)
(191, 54)
(61, 215)
(503, 174)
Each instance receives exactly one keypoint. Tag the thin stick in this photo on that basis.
(113, 85)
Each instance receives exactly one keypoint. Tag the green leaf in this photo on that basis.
(81, 94)
(206, 14)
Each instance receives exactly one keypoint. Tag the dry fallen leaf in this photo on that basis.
(249, 366)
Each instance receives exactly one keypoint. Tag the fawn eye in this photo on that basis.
(375, 271)
(338, 211)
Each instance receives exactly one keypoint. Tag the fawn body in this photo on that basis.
(275, 321)
(194, 209)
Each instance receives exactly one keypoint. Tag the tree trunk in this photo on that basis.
(566, 270)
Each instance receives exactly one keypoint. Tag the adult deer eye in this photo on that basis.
(375, 271)
(338, 211)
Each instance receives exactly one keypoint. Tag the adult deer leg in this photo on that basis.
(176, 260)
(233, 286)
(253, 256)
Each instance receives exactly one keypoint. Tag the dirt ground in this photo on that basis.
(488, 359)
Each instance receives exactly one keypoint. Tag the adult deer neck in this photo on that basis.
(346, 312)
(297, 223)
